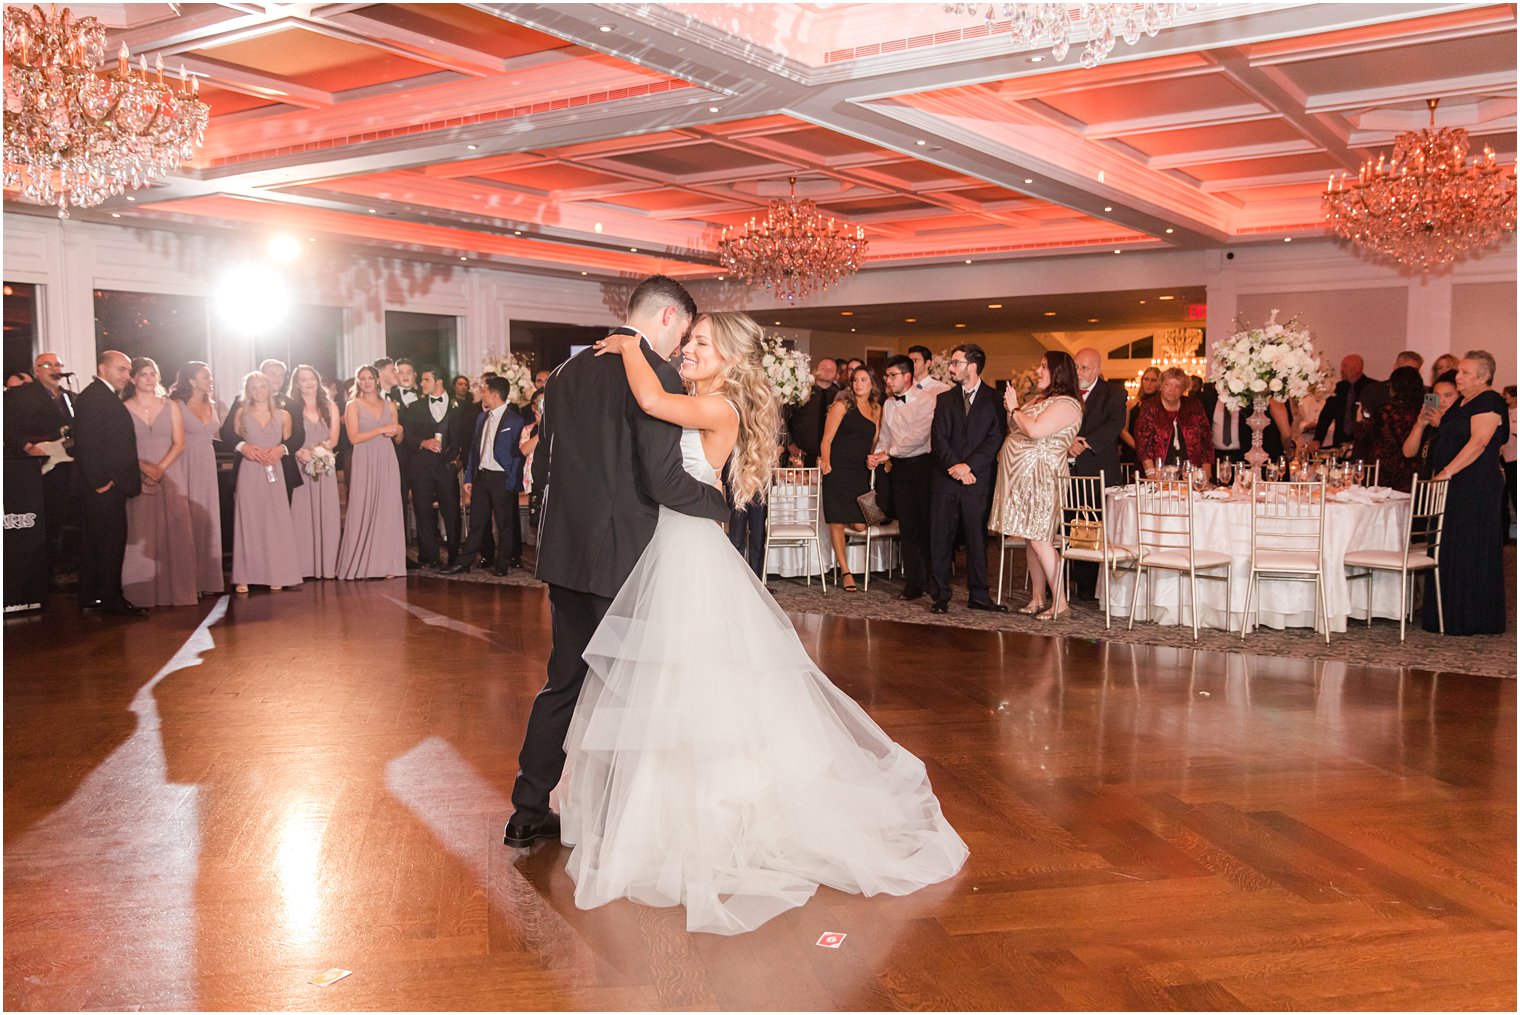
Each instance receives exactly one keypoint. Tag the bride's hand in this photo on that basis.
(614, 344)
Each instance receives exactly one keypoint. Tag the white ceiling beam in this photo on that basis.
(248, 82)
(1249, 112)
(1237, 153)
(464, 59)
(1492, 82)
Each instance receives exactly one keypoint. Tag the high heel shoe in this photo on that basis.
(1031, 609)
(852, 587)
(241, 590)
(1053, 613)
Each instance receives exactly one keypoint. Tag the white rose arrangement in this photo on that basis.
(939, 367)
(515, 369)
(321, 463)
(790, 371)
(1273, 361)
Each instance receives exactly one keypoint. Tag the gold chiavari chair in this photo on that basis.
(1287, 543)
(795, 508)
(1421, 552)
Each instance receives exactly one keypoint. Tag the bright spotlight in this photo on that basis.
(284, 249)
(253, 299)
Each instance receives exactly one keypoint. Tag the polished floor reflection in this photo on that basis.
(205, 809)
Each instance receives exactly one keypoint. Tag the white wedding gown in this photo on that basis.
(712, 764)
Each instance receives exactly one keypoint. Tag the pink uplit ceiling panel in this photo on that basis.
(821, 143)
(916, 175)
(1262, 167)
(551, 178)
(660, 200)
(691, 160)
(1385, 68)
(459, 25)
(1144, 99)
(224, 101)
(1220, 137)
(316, 61)
(878, 206)
(1281, 192)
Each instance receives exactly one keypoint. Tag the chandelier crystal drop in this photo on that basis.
(1050, 24)
(795, 251)
(76, 134)
(1426, 206)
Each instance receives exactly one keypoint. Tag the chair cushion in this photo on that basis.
(1115, 552)
(1287, 561)
(1177, 560)
(787, 530)
(1388, 560)
(886, 530)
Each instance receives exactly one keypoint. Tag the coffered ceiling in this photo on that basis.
(618, 139)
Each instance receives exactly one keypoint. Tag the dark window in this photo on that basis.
(311, 335)
(548, 345)
(171, 330)
(21, 327)
(424, 339)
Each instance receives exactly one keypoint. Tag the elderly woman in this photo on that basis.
(1173, 428)
(1466, 452)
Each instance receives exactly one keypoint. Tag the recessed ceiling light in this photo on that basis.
(1036, 59)
(960, 325)
(847, 313)
(778, 324)
(921, 143)
(311, 239)
(712, 109)
(1287, 239)
(372, 211)
(1050, 313)
(130, 198)
(1092, 320)
(994, 306)
(596, 227)
(1109, 208)
(910, 320)
(968, 260)
(1169, 230)
(1166, 297)
(583, 273)
(472, 147)
(116, 214)
(604, 28)
(633, 250)
(517, 232)
(1118, 251)
(1142, 303)
(852, 329)
(1028, 181)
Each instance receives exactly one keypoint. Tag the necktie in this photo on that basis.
(487, 437)
(966, 400)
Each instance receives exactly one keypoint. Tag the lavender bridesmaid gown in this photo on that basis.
(159, 568)
(314, 514)
(374, 538)
(201, 490)
(263, 540)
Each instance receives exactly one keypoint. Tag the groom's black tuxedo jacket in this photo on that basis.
(605, 468)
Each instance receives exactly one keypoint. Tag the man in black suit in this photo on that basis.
(493, 475)
(804, 423)
(969, 426)
(1340, 410)
(432, 435)
(403, 394)
(36, 413)
(1096, 447)
(106, 474)
(274, 371)
(606, 469)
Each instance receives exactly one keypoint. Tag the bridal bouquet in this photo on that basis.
(939, 367)
(321, 463)
(514, 367)
(1273, 361)
(789, 371)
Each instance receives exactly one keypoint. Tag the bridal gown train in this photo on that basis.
(712, 764)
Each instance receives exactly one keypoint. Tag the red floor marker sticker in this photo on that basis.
(832, 939)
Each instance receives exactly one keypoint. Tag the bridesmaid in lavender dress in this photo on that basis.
(314, 507)
(202, 422)
(263, 540)
(374, 539)
(159, 569)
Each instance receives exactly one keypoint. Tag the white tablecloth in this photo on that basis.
(794, 561)
(1225, 526)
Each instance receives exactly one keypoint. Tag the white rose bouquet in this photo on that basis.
(939, 367)
(321, 463)
(515, 368)
(789, 371)
(1273, 361)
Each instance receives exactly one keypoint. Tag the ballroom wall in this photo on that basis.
(1350, 303)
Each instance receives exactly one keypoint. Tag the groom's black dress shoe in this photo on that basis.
(989, 607)
(457, 569)
(940, 608)
(523, 836)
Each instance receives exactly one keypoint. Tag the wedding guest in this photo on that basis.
(1171, 428)
(1466, 452)
(540, 379)
(374, 536)
(433, 438)
(1342, 409)
(1195, 384)
(805, 422)
(527, 443)
(158, 568)
(17, 378)
(107, 476)
(1031, 467)
(1150, 383)
(1391, 425)
(460, 386)
(338, 393)
(1230, 435)
(1445, 364)
(314, 508)
(903, 449)
(853, 364)
(402, 394)
(1422, 435)
(1095, 449)
(35, 414)
(274, 372)
(386, 370)
(967, 432)
(849, 431)
(493, 479)
(1408, 358)
(1508, 457)
(263, 538)
(193, 389)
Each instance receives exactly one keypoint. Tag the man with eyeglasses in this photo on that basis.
(36, 413)
(902, 444)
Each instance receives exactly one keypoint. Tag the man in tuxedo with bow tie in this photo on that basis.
(903, 444)
(403, 394)
(106, 476)
(431, 434)
(969, 426)
(605, 469)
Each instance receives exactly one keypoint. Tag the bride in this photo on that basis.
(711, 763)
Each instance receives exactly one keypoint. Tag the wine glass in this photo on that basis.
(1272, 470)
(1223, 470)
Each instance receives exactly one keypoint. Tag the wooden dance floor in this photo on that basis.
(205, 809)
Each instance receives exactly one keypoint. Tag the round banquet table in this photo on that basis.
(793, 561)
(1225, 526)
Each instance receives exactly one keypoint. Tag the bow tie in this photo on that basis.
(435, 398)
(901, 398)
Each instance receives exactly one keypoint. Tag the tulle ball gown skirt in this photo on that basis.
(712, 765)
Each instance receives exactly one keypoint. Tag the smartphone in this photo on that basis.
(1432, 402)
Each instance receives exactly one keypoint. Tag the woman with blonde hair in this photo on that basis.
(263, 539)
(710, 763)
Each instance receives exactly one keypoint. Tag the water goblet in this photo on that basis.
(1223, 470)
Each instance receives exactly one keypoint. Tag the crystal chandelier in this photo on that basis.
(1177, 347)
(76, 135)
(794, 251)
(1426, 206)
(1050, 24)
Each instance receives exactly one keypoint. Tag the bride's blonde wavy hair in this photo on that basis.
(737, 340)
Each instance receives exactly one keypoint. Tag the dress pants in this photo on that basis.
(435, 481)
(912, 484)
(104, 519)
(746, 530)
(575, 617)
(953, 511)
(490, 499)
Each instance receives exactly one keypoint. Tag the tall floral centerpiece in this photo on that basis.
(789, 371)
(1256, 365)
(515, 368)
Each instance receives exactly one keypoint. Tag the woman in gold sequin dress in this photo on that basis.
(1031, 466)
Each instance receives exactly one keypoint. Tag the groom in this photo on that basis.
(605, 469)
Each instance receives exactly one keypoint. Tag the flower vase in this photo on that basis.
(1257, 421)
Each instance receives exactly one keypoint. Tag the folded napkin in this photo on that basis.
(1368, 495)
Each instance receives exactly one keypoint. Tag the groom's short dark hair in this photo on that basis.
(658, 291)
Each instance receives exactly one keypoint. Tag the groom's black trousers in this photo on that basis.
(575, 618)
